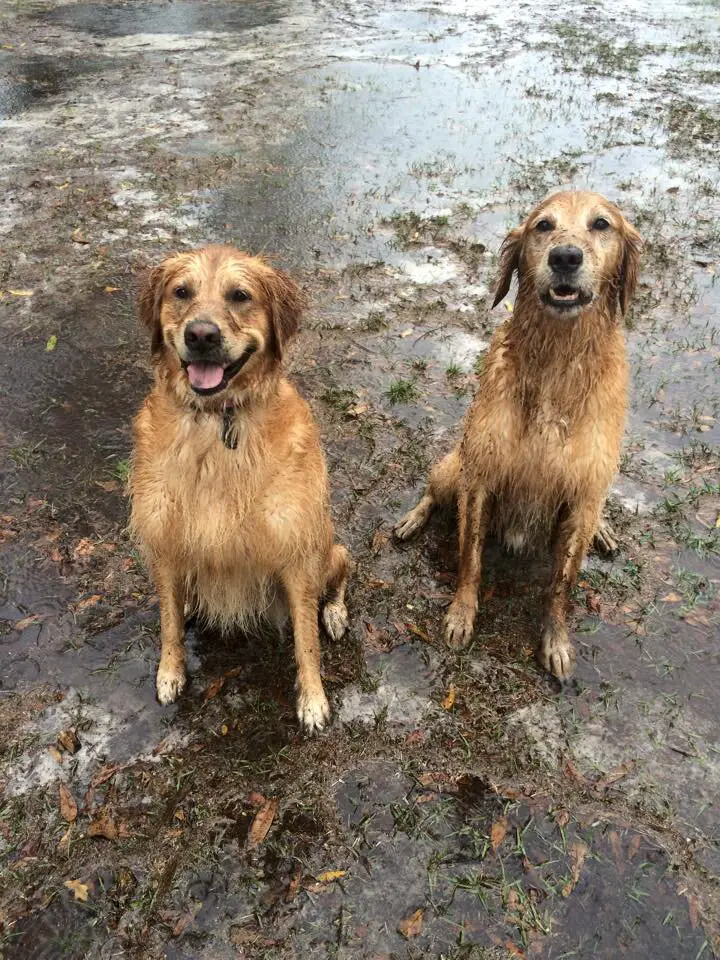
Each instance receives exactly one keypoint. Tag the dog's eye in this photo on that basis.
(239, 296)
(600, 223)
(544, 226)
(182, 293)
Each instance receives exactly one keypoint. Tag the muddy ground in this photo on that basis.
(460, 806)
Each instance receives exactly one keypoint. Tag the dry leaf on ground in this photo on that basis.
(330, 875)
(84, 548)
(68, 807)
(186, 918)
(214, 688)
(578, 855)
(68, 740)
(592, 601)
(262, 823)
(103, 826)
(412, 925)
(617, 774)
(497, 833)
(79, 889)
(449, 700)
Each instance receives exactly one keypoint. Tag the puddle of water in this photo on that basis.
(179, 17)
(27, 82)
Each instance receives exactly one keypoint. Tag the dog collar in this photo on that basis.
(228, 433)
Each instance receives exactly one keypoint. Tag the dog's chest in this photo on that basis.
(211, 487)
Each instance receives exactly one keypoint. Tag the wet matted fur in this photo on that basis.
(542, 437)
(229, 486)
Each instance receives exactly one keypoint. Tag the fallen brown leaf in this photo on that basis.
(68, 807)
(379, 541)
(103, 826)
(497, 833)
(413, 628)
(592, 602)
(578, 855)
(92, 601)
(617, 774)
(79, 889)
(412, 925)
(68, 741)
(27, 621)
(633, 846)
(109, 486)
(64, 841)
(294, 884)
(84, 548)
(214, 688)
(562, 818)
(330, 875)
(573, 772)
(671, 597)
(616, 846)
(449, 700)
(185, 919)
(261, 824)
(106, 773)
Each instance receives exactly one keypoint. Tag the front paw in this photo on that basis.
(556, 653)
(313, 711)
(459, 624)
(170, 682)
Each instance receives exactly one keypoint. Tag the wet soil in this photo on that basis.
(460, 806)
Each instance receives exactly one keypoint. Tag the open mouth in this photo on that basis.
(563, 296)
(209, 378)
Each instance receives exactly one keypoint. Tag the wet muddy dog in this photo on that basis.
(541, 440)
(229, 487)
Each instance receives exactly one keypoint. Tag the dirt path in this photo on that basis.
(462, 807)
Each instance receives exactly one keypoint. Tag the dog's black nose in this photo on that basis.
(202, 335)
(566, 259)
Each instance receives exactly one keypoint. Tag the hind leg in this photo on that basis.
(334, 613)
(442, 490)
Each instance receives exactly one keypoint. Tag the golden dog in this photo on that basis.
(542, 438)
(229, 487)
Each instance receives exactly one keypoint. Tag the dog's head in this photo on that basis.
(217, 317)
(574, 249)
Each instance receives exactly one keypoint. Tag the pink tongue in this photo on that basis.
(205, 376)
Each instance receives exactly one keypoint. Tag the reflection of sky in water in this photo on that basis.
(107, 20)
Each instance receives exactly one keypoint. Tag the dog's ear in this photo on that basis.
(149, 302)
(509, 263)
(627, 279)
(286, 302)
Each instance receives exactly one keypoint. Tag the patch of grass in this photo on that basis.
(402, 391)
(453, 371)
(122, 470)
(689, 123)
(339, 399)
(412, 230)
(373, 322)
